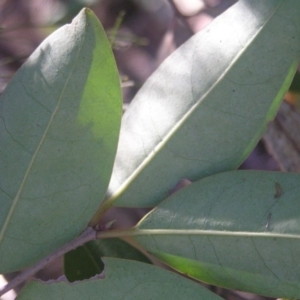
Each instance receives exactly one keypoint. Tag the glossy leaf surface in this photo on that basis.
(85, 261)
(59, 126)
(123, 280)
(239, 230)
(206, 107)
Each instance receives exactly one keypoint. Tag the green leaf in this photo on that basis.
(123, 280)
(239, 230)
(205, 108)
(85, 262)
(59, 126)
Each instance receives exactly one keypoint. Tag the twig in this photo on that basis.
(88, 235)
(116, 27)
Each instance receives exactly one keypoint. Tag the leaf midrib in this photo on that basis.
(189, 112)
(17, 198)
(199, 232)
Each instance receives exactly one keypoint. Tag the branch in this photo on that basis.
(88, 235)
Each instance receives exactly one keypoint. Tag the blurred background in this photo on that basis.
(142, 33)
